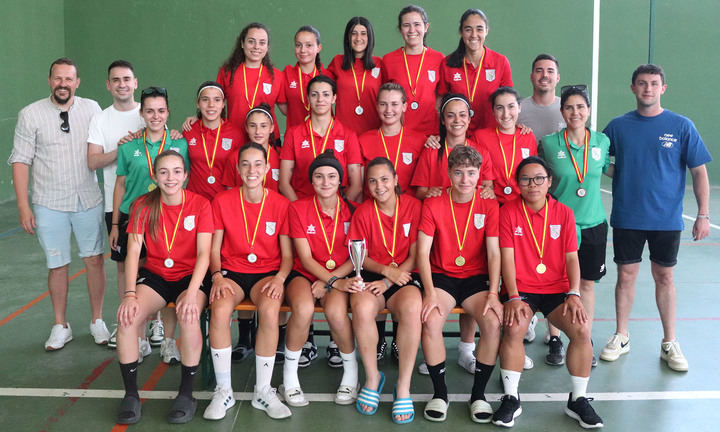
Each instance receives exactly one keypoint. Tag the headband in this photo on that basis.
(211, 86)
(256, 109)
(442, 108)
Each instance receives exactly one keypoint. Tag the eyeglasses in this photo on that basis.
(538, 180)
(154, 91)
(65, 125)
(579, 87)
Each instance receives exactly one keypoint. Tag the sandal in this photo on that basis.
(402, 406)
(480, 411)
(345, 395)
(182, 410)
(370, 398)
(436, 410)
(129, 411)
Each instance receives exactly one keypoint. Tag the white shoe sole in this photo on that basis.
(612, 356)
(573, 415)
(206, 416)
(58, 347)
(511, 423)
(274, 415)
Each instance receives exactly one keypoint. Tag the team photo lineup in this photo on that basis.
(413, 183)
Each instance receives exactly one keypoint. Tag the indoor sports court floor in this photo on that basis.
(79, 387)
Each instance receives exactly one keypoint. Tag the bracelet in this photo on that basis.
(126, 292)
(572, 293)
(492, 292)
(330, 282)
(214, 273)
(115, 223)
(387, 284)
(703, 216)
(130, 296)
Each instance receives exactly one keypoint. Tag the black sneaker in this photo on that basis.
(556, 356)
(333, 355)
(508, 411)
(581, 411)
(381, 348)
(241, 352)
(395, 351)
(308, 354)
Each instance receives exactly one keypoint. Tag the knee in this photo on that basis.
(579, 333)
(490, 325)
(363, 310)
(268, 313)
(336, 315)
(514, 333)
(663, 279)
(433, 326)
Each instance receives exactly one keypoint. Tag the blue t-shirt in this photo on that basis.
(651, 158)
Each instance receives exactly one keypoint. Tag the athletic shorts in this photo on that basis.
(120, 254)
(461, 288)
(248, 280)
(629, 244)
(54, 227)
(168, 290)
(372, 277)
(544, 303)
(592, 250)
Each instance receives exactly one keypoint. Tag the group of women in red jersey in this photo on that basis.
(272, 223)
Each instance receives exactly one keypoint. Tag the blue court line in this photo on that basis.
(11, 232)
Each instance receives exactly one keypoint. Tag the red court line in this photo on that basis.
(32, 302)
(149, 385)
(62, 410)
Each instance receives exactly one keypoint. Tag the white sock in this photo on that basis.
(466, 348)
(221, 359)
(263, 371)
(579, 386)
(350, 369)
(290, 368)
(510, 380)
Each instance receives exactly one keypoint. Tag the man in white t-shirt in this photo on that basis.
(106, 129)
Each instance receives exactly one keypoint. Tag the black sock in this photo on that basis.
(186, 380)
(311, 334)
(244, 332)
(381, 332)
(394, 330)
(129, 376)
(281, 338)
(437, 375)
(482, 375)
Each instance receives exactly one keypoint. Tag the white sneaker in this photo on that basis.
(345, 395)
(99, 332)
(293, 396)
(169, 352)
(467, 362)
(112, 342)
(546, 339)
(267, 400)
(617, 345)
(144, 349)
(422, 369)
(157, 333)
(530, 334)
(59, 336)
(222, 400)
(529, 363)
(670, 352)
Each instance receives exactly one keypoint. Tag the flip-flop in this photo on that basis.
(436, 405)
(481, 411)
(370, 398)
(129, 411)
(402, 406)
(183, 409)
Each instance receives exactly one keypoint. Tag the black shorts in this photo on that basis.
(545, 303)
(120, 254)
(461, 288)
(247, 280)
(629, 244)
(372, 277)
(168, 290)
(592, 250)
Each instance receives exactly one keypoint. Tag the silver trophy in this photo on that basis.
(358, 252)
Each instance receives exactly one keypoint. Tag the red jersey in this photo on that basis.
(214, 150)
(437, 222)
(347, 91)
(231, 176)
(404, 155)
(431, 172)
(365, 225)
(525, 146)
(196, 218)
(236, 246)
(298, 147)
(421, 114)
(560, 239)
(308, 223)
(494, 73)
(239, 102)
(294, 93)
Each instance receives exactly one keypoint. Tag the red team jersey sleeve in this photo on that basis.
(196, 218)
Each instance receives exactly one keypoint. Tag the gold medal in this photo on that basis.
(460, 261)
(539, 248)
(394, 264)
(330, 264)
(169, 244)
(151, 187)
(541, 269)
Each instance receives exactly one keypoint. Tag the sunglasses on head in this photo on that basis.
(65, 125)
(154, 91)
(579, 87)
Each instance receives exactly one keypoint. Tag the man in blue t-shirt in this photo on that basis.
(653, 147)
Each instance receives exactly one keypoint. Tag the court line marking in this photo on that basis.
(150, 384)
(10, 232)
(329, 397)
(686, 217)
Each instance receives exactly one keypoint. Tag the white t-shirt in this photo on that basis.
(544, 120)
(106, 129)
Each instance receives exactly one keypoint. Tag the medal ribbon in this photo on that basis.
(325, 140)
(540, 249)
(447, 152)
(359, 91)
(467, 223)
(382, 231)
(407, 69)
(302, 87)
(251, 104)
(170, 244)
(471, 96)
(257, 224)
(211, 162)
(329, 246)
(508, 171)
(397, 153)
(580, 177)
(147, 152)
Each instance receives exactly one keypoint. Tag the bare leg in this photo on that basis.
(95, 266)
(58, 286)
(406, 305)
(365, 307)
(666, 298)
(587, 297)
(625, 294)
